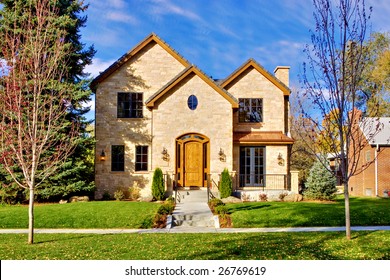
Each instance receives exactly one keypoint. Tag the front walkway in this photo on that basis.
(195, 230)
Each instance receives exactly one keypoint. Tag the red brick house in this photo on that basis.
(373, 180)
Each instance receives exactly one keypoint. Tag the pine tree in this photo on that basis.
(321, 184)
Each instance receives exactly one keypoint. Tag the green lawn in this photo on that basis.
(232, 246)
(123, 214)
(96, 214)
(364, 212)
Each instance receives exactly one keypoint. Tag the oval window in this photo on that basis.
(192, 102)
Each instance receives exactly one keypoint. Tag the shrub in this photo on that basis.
(221, 210)
(158, 190)
(282, 195)
(170, 199)
(166, 208)
(263, 197)
(215, 202)
(226, 184)
(106, 196)
(134, 193)
(119, 195)
(321, 184)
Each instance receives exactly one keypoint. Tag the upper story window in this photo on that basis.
(250, 110)
(130, 105)
(192, 102)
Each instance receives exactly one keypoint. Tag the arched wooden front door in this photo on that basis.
(192, 160)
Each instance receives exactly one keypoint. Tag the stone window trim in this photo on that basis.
(250, 110)
(130, 105)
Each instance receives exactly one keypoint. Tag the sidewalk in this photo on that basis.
(183, 229)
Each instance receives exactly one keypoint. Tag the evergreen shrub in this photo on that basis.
(321, 183)
(225, 188)
(158, 190)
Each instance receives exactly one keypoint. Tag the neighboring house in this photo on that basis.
(373, 174)
(155, 109)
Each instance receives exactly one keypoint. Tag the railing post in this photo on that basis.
(208, 187)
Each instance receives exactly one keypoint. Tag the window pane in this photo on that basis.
(118, 158)
(250, 110)
(130, 105)
(141, 158)
(252, 166)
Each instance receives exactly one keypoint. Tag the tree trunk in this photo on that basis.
(31, 217)
(347, 213)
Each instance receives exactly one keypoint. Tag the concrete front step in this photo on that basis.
(193, 211)
(193, 196)
(193, 221)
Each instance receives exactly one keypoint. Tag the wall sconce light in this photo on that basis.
(222, 156)
(280, 159)
(102, 156)
(165, 155)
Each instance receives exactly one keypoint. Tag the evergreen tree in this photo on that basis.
(321, 184)
(226, 184)
(158, 190)
(77, 174)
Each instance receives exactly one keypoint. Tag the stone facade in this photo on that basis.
(166, 81)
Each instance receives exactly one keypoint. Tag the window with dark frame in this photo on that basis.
(118, 158)
(130, 105)
(250, 110)
(252, 166)
(141, 158)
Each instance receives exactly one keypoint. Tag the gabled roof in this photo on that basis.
(376, 130)
(122, 60)
(262, 137)
(251, 63)
(181, 76)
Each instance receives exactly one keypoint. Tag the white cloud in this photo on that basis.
(98, 66)
(165, 7)
(90, 104)
(121, 17)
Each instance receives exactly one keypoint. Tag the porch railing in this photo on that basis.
(262, 182)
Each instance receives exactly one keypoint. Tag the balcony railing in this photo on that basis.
(262, 182)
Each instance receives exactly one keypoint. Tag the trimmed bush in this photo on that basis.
(221, 210)
(158, 190)
(215, 202)
(225, 188)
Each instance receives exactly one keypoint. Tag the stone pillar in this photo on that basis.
(294, 181)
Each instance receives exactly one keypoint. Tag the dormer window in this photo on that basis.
(250, 110)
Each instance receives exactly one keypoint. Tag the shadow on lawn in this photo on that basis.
(290, 246)
(246, 207)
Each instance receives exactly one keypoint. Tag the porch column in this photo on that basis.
(294, 181)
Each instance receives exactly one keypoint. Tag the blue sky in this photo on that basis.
(216, 35)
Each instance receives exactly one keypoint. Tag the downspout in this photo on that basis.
(376, 169)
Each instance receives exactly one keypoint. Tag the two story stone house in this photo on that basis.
(156, 109)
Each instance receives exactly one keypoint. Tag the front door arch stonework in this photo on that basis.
(192, 160)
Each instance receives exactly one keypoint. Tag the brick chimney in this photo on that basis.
(282, 73)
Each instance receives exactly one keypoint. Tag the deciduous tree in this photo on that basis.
(36, 137)
(76, 176)
(332, 76)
